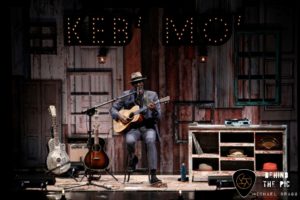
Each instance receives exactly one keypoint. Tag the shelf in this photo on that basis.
(269, 152)
(236, 144)
(205, 155)
(227, 148)
(237, 158)
(236, 165)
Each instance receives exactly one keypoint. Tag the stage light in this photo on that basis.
(202, 52)
(63, 196)
(102, 53)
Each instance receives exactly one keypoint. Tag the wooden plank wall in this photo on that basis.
(174, 71)
(214, 81)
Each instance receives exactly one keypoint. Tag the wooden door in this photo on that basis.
(36, 123)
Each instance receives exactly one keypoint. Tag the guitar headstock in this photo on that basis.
(96, 122)
(164, 99)
(52, 110)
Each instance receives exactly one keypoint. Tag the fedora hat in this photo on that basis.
(236, 153)
(268, 143)
(205, 167)
(136, 77)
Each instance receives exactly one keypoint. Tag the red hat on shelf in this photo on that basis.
(269, 166)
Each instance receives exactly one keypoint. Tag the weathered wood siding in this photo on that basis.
(170, 70)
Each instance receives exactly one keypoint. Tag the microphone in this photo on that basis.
(120, 97)
(140, 90)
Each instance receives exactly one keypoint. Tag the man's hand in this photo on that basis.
(123, 118)
(151, 106)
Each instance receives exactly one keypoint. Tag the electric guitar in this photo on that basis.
(96, 158)
(133, 115)
(58, 161)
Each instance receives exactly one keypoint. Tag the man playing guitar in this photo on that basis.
(145, 128)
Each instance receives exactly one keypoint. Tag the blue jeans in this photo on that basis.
(148, 135)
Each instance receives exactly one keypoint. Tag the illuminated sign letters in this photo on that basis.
(97, 30)
(116, 30)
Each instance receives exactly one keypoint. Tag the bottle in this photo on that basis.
(183, 172)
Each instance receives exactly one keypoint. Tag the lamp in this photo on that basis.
(102, 53)
(202, 52)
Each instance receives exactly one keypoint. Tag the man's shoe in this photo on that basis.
(154, 179)
(133, 162)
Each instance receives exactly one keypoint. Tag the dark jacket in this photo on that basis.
(150, 117)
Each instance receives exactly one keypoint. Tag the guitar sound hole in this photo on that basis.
(131, 115)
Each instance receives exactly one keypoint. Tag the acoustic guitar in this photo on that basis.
(96, 158)
(58, 161)
(134, 115)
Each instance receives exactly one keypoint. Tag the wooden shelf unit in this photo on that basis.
(216, 141)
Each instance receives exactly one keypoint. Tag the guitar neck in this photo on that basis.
(140, 110)
(55, 133)
(144, 108)
(96, 138)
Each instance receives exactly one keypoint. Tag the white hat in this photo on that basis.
(136, 77)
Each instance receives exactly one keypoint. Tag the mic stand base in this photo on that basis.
(89, 174)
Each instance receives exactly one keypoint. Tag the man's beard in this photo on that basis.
(139, 95)
(140, 90)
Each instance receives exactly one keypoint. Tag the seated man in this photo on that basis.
(145, 128)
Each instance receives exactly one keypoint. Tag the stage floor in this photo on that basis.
(139, 188)
(136, 183)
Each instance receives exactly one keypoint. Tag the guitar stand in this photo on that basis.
(70, 173)
(51, 170)
(89, 174)
(108, 172)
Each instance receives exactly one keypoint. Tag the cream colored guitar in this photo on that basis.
(57, 160)
(133, 115)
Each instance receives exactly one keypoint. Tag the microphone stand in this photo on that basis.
(90, 112)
